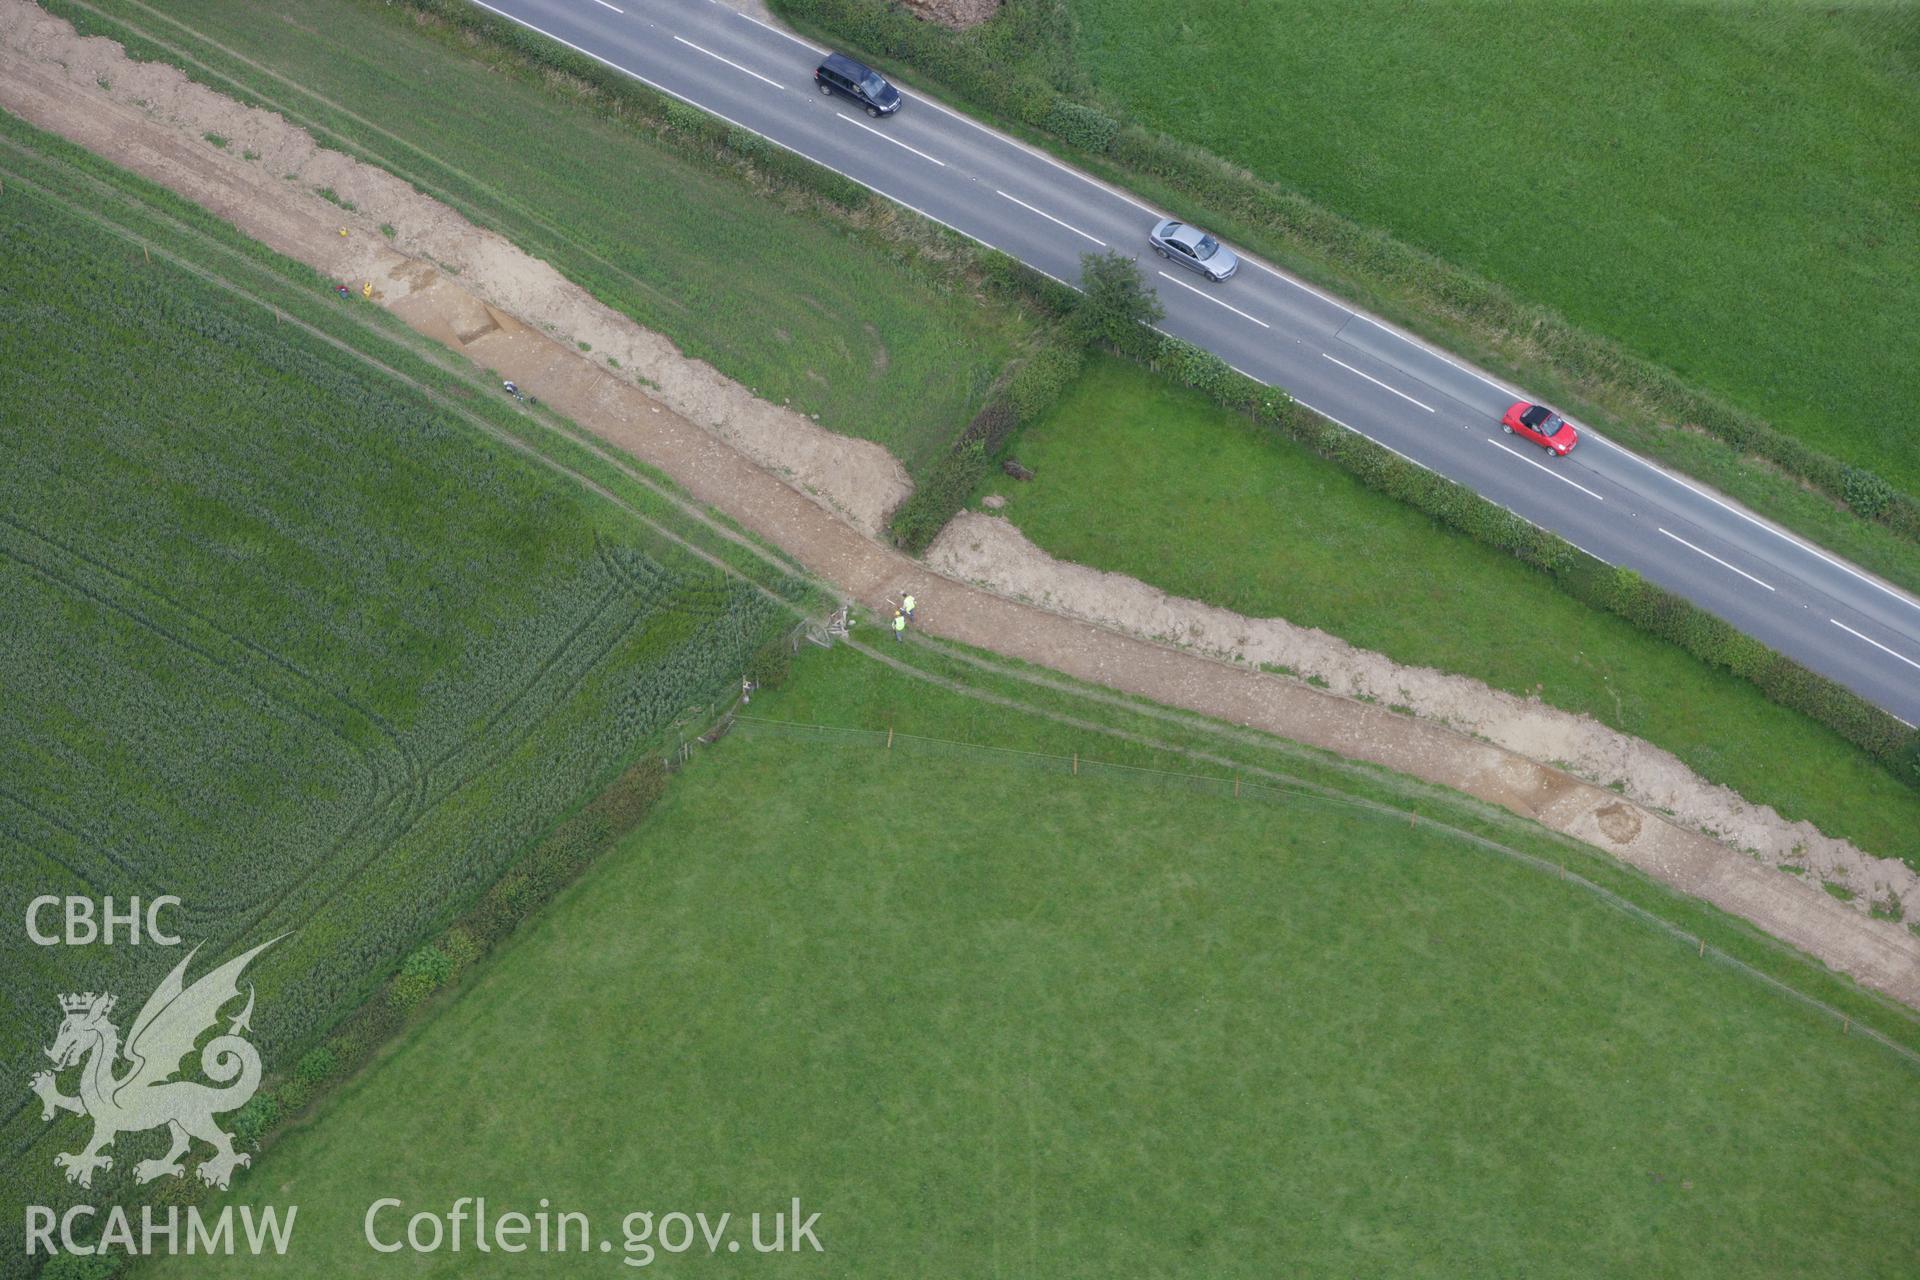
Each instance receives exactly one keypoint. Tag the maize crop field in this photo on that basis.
(286, 634)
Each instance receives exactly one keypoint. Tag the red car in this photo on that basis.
(1541, 425)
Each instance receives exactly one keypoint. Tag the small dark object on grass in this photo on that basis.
(1013, 468)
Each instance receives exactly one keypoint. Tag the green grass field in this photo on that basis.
(291, 632)
(791, 303)
(1222, 511)
(989, 1018)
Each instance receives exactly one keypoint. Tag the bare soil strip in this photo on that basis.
(501, 309)
(991, 552)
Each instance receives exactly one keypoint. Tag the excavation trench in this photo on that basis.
(822, 497)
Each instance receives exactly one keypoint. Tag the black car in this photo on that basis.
(842, 75)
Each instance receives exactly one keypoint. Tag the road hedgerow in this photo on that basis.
(1031, 387)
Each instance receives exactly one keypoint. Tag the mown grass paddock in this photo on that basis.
(990, 1017)
(290, 633)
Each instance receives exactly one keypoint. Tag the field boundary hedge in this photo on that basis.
(1432, 287)
(1028, 388)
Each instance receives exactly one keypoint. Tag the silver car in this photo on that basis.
(1193, 248)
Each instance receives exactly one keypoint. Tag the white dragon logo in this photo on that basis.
(173, 1018)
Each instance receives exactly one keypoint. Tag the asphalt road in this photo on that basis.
(1365, 375)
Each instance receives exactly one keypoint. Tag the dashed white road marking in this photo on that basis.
(895, 141)
(1421, 346)
(1717, 560)
(1376, 382)
(1424, 467)
(654, 84)
(1549, 470)
(995, 134)
(604, 5)
(1050, 218)
(1901, 596)
(729, 61)
(1876, 644)
(1215, 301)
(1035, 152)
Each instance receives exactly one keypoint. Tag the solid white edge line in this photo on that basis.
(1357, 431)
(1418, 345)
(1301, 285)
(883, 137)
(1897, 594)
(1036, 153)
(1549, 470)
(1215, 301)
(1050, 218)
(660, 88)
(1118, 194)
(991, 132)
(1376, 382)
(729, 61)
(1716, 559)
(1876, 644)
(1416, 462)
(777, 31)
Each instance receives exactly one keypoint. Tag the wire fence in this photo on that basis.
(1262, 787)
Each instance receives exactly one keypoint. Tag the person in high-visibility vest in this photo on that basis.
(906, 607)
(899, 624)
